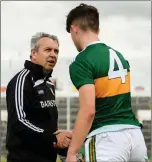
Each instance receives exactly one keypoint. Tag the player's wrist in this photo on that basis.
(72, 151)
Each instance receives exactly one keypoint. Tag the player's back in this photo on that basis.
(111, 75)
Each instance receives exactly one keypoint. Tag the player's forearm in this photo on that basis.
(81, 129)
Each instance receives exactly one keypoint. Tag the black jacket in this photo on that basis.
(32, 116)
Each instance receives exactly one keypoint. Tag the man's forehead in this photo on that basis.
(48, 42)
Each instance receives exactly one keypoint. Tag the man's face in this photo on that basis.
(47, 53)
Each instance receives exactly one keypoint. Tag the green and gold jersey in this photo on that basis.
(107, 69)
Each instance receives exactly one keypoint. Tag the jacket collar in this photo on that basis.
(37, 70)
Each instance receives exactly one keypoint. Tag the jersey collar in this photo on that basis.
(95, 42)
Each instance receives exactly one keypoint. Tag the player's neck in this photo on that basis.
(88, 39)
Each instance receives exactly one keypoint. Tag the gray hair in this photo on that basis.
(35, 38)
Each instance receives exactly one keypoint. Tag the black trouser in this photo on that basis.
(25, 156)
(30, 161)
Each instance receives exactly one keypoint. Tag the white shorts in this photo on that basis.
(127, 145)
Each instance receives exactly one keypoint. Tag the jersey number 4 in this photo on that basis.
(121, 73)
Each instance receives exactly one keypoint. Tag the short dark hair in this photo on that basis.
(86, 16)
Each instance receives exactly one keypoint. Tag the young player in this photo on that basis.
(102, 76)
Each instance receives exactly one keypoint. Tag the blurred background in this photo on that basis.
(125, 26)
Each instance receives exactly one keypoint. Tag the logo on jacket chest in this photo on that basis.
(48, 103)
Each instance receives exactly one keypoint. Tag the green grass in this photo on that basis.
(3, 159)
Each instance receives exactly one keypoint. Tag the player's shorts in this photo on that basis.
(127, 145)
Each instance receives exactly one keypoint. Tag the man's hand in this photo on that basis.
(63, 130)
(63, 138)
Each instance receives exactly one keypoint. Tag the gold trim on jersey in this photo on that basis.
(92, 149)
(106, 87)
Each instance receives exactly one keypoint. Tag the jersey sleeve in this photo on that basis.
(81, 73)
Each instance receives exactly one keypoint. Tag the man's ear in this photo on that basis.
(33, 54)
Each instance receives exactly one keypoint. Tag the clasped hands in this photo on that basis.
(63, 138)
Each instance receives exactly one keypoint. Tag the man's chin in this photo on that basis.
(48, 69)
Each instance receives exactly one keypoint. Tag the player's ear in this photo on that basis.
(72, 28)
(75, 28)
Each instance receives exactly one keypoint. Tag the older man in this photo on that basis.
(32, 110)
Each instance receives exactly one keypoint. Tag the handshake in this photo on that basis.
(63, 138)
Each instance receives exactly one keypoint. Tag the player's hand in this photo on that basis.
(66, 140)
(63, 139)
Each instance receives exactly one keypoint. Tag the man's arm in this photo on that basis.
(85, 117)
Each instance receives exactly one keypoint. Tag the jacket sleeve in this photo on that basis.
(16, 96)
(62, 152)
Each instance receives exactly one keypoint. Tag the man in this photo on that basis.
(102, 76)
(32, 110)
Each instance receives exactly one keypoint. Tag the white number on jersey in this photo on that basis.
(121, 73)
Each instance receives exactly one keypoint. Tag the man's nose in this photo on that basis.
(52, 53)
